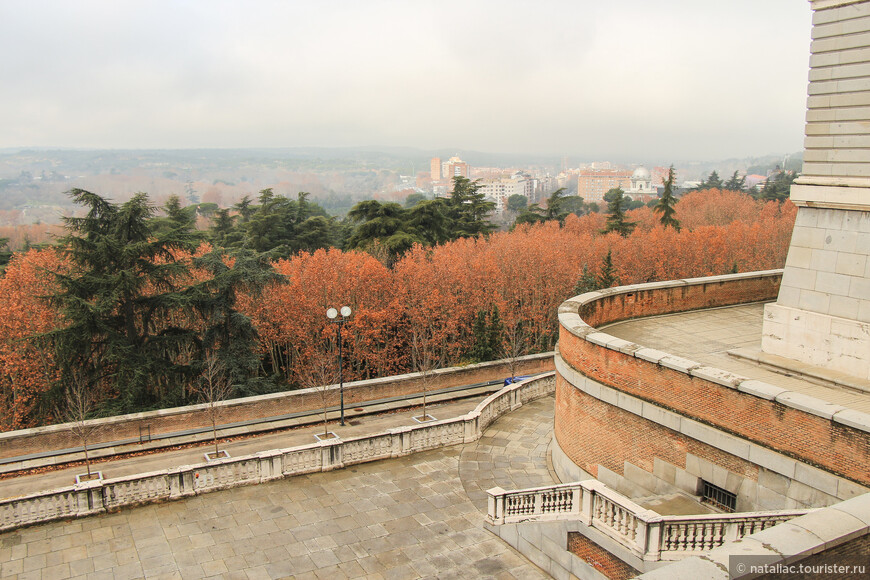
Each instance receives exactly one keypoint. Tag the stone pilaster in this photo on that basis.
(822, 314)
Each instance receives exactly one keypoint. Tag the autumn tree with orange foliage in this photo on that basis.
(433, 297)
(27, 360)
(290, 316)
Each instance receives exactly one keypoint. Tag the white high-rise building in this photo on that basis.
(499, 190)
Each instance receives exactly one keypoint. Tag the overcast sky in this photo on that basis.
(643, 79)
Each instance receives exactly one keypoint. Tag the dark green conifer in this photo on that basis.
(616, 221)
(607, 277)
(665, 205)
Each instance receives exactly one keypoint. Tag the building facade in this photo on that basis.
(500, 189)
(641, 184)
(592, 184)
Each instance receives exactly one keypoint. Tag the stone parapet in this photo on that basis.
(103, 495)
(125, 432)
(794, 542)
(649, 536)
(671, 452)
(730, 412)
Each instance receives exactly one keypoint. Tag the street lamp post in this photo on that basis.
(332, 314)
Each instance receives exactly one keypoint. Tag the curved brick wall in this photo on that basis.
(605, 435)
(747, 413)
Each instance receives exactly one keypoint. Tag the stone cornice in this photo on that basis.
(827, 4)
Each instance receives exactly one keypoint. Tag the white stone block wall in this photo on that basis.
(838, 104)
(822, 314)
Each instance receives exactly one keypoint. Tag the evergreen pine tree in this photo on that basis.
(480, 338)
(607, 277)
(469, 209)
(494, 334)
(586, 283)
(713, 181)
(178, 220)
(222, 229)
(665, 205)
(124, 280)
(229, 336)
(616, 221)
(735, 182)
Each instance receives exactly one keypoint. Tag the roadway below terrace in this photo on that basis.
(419, 515)
(302, 434)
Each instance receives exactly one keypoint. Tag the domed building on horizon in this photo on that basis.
(641, 184)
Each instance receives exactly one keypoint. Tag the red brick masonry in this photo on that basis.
(591, 431)
(601, 434)
(599, 558)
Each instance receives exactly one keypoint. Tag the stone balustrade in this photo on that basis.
(98, 496)
(648, 535)
(147, 431)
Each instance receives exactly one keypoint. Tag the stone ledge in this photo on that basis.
(569, 319)
(787, 543)
(760, 389)
(809, 404)
(854, 419)
(743, 448)
(806, 371)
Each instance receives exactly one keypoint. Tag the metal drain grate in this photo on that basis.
(718, 497)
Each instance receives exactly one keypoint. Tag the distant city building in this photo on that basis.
(754, 181)
(544, 186)
(447, 170)
(454, 167)
(435, 169)
(592, 184)
(500, 189)
(641, 184)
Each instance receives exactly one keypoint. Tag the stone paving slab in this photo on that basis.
(706, 336)
(400, 518)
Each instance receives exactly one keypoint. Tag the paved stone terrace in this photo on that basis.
(416, 516)
(705, 336)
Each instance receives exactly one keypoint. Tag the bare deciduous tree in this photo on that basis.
(321, 373)
(214, 386)
(514, 344)
(426, 357)
(77, 406)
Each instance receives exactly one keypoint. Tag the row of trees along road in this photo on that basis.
(136, 305)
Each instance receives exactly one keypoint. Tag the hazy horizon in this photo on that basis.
(634, 80)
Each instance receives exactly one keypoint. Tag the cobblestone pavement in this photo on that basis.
(400, 518)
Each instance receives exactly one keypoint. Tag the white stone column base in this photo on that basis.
(821, 340)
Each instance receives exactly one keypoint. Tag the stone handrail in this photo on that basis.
(91, 497)
(645, 533)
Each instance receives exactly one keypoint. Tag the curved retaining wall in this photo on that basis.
(129, 427)
(94, 497)
(625, 407)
